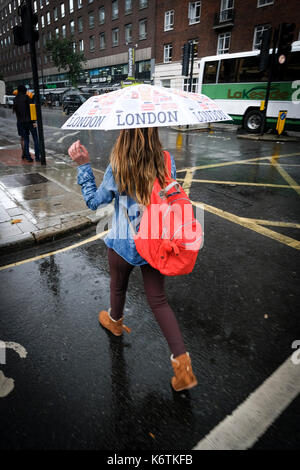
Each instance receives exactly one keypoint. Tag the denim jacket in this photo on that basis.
(120, 237)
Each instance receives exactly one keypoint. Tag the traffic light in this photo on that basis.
(286, 36)
(186, 59)
(264, 49)
(22, 34)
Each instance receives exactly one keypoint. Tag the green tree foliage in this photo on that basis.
(66, 58)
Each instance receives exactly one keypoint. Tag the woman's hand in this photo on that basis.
(79, 153)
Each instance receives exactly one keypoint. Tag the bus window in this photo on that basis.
(289, 71)
(248, 70)
(210, 72)
(227, 72)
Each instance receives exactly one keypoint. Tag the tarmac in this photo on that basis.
(40, 202)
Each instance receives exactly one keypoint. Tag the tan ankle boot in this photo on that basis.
(184, 377)
(116, 327)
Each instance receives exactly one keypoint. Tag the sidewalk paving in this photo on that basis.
(39, 202)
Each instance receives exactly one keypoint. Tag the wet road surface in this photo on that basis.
(78, 388)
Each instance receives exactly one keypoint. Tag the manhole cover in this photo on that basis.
(14, 181)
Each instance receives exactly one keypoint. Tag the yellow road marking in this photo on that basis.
(248, 223)
(61, 250)
(187, 181)
(267, 164)
(240, 183)
(272, 223)
(234, 162)
(292, 183)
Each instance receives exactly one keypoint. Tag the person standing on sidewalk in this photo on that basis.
(136, 160)
(25, 125)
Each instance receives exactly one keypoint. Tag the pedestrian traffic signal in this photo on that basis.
(286, 36)
(23, 34)
(186, 59)
(264, 49)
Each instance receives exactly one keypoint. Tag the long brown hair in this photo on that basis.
(136, 161)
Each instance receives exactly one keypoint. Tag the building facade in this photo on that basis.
(105, 30)
(217, 27)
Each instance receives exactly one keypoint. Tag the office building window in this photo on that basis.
(143, 29)
(80, 24)
(128, 6)
(263, 3)
(194, 49)
(226, 10)
(143, 3)
(168, 53)
(115, 9)
(101, 15)
(169, 20)
(128, 33)
(64, 31)
(92, 43)
(91, 20)
(258, 32)
(194, 12)
(72, 27)
(62, 10)
(223, 43)
(102, 44)
(186, 85)
(115, 37)
(81, 45)
(71, 6)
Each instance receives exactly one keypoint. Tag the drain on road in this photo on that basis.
(15, 181)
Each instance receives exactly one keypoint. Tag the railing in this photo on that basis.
(224, 18)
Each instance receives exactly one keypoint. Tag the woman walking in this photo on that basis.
(136, 160)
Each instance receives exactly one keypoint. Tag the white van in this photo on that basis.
(8, 100)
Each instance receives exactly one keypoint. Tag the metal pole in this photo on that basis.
(192, 67)
(191, 72)
(36, 86)
(264, 112)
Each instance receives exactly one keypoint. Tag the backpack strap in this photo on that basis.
(168, 163)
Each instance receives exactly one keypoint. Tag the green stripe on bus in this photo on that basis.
(280, 91)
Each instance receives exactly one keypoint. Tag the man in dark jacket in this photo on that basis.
(25, 125)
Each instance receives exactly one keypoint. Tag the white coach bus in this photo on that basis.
(234, 81)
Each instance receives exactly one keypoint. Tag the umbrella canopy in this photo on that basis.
(145, 106)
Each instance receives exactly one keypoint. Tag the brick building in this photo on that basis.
(104, 30)
(156, 29)
(217, 26)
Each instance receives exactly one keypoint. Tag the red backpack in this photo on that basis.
(169, 235)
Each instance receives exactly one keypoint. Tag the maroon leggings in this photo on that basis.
(154, 287)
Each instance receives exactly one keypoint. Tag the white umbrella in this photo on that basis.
(145, 106)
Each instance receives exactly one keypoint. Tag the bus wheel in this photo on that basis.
(253, 121)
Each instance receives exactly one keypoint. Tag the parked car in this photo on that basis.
(72, 102)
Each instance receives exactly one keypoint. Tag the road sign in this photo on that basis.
(281, 121)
